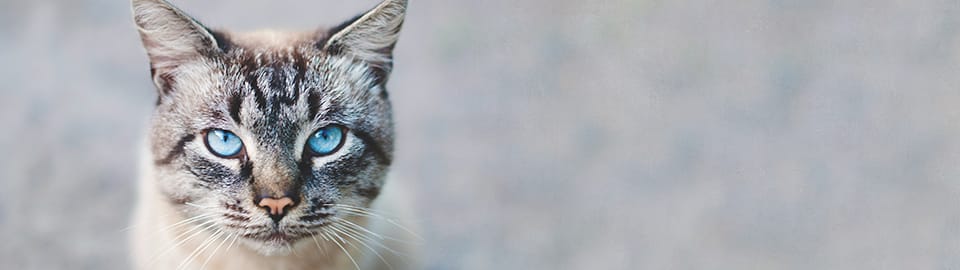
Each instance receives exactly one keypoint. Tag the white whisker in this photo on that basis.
(335, 227)
(199, 249)
(199, 229)
(230, 246)
(314, 236)
(214, 253)
(345, 252)
(362, 212)
(368, 238)
(377, 235)
(185, 221)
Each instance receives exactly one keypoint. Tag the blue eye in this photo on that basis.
(223, 143)
(326, 140)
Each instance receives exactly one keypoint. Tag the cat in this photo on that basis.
(269, 150)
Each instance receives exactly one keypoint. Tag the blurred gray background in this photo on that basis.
(616, 134)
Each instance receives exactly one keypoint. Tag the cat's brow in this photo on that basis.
(235, 102)
(274, 78)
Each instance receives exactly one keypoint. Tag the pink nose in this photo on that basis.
(276, 206)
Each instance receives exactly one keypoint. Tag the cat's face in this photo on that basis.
(270, 137)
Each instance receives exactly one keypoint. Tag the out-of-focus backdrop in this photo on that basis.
(621, 134)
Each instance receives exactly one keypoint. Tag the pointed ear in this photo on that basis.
(370, 37)
(171, 38)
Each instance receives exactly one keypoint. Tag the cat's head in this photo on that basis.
(270, 136)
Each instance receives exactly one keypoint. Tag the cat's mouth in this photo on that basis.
(277, 237)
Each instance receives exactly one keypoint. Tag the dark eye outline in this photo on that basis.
(343, 139)
(240, 153)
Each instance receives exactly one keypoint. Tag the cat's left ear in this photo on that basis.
(370, 37)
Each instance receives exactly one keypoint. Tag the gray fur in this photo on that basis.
(273, 90)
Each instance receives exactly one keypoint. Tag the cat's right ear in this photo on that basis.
(370, 37)
(171, 38)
